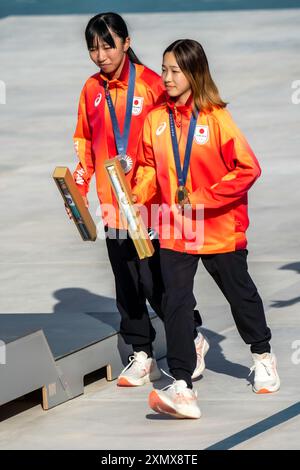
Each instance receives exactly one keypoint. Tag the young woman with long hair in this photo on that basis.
(112, 108)
(113, 105)
(194, 156)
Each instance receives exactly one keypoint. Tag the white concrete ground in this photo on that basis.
(254, 58)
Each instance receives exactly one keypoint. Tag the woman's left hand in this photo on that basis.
(134, 198)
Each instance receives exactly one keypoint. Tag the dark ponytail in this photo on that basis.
(100, 26)
(132, 57)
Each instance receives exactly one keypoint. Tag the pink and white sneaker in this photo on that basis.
(176, 400)
(140, 371)
(266, 378)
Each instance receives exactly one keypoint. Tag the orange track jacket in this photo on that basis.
(222, 169)
(94, 137)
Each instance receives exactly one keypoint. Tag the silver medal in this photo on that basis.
(126, 162)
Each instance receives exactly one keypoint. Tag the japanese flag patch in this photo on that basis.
(137, 105)
(201, 135)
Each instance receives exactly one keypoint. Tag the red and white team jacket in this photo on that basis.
(222, 169)
(94, 137)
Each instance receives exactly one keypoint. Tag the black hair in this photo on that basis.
(100, 26)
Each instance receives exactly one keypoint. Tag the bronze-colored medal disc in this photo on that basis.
(181, 194)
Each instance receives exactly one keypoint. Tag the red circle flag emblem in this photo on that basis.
(137, 105)
(201, 135)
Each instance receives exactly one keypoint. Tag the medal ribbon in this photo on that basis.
(122, 140)
(182, 172)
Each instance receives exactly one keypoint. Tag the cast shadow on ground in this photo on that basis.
(295, 300)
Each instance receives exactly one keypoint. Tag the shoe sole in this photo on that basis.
(158, 405)
(125, 382)
(266, 390)
(200, 370)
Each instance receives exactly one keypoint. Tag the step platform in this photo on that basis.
(54, 352)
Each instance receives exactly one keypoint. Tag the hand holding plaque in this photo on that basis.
(75, 204)
(122, 191)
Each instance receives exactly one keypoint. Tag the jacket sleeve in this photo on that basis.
(83, 147)
(145, 186)
(240, 160)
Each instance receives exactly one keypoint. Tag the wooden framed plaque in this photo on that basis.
(136, 227)
(73, 199)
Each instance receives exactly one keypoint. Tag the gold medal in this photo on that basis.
(181, 194)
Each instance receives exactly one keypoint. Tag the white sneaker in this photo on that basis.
(202, 346)
(266, 379)
(176, 400)
(140, 371)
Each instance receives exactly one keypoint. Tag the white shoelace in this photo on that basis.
(257, 364)
(173, 385)
(171, 377)
(132, 360)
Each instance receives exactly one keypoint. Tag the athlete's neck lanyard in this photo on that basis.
(182, 172)
(122, 139)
